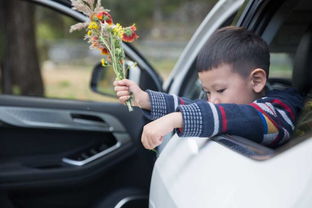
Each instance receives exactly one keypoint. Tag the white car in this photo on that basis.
(229, 171)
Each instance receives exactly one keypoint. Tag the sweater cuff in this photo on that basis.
(192, 120)
(158, 105)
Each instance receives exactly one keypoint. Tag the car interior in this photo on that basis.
(300, 23)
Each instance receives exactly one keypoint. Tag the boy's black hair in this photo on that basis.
(236, 46)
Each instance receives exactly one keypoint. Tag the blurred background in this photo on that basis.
(39, 57)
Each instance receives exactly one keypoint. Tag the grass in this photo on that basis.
(281, 71)
(163, 66)
(70, 82)
(73, 81)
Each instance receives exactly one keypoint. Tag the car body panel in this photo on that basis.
(228, 179)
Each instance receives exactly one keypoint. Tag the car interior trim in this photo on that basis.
(128, 199)
(92, 158)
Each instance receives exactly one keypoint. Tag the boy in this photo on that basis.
(233, 68)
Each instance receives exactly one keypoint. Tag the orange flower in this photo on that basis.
(93, 17)
(129, 34)
(105, 17)
(104, 51)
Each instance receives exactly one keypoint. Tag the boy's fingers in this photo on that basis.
(123, 99)
(123, 82)
(120, 82)
(121, 88)
(150, 141)
(145, 140)
(122, 93)
(115, 83)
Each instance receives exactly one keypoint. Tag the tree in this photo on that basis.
(19, 59)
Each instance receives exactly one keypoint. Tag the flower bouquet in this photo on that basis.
(104, 35)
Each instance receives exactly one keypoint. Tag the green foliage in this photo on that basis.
(63, 84)
(16, 90)
(52, 25)
(128, 12)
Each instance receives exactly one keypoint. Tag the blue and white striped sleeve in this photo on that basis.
(162, 104)
(269, 121)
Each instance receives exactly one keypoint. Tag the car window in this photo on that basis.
(65, 60)
(173, 23)
(281, 65)
(191, 87)
(42, 58)
(66, 63)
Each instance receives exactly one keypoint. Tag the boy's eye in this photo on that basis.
(205, 91)
(220, 91)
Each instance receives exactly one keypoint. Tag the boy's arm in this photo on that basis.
(163, 104)
(269, 121)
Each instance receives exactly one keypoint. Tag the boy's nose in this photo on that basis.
(215, 100)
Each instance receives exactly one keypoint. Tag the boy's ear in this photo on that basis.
(258, 79)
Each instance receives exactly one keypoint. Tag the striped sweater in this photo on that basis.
(269, 120)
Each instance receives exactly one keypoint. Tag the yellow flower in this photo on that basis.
(93, 25)
(118, 30)
(103, 62)
(89, 32)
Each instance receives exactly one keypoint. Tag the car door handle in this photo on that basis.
(89, 120)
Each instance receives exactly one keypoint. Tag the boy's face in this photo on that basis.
(223, 85)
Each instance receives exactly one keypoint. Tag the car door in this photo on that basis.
(74, 153)
(230, 171)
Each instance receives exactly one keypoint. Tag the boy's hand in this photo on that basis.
(154, 131)
(125, 88)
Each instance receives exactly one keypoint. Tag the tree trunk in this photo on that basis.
(20, 64)
(157, 15)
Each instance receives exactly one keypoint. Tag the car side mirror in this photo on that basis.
(103, 77)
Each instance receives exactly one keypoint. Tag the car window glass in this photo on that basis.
(281, 65)
(191, 87)
(42, 58)
(166, 29)
(66, 62)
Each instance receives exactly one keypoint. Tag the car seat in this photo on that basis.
(302, 81)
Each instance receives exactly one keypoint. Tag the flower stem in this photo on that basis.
(153, 150)
(128, 103)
